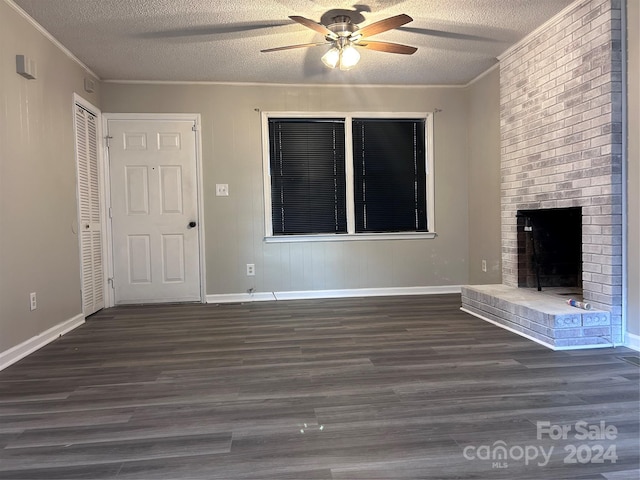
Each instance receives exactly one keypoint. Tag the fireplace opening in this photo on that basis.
(550, 249)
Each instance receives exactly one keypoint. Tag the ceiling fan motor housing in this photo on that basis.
(342, 27)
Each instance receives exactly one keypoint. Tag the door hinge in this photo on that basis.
(195, 127)
(107, 139)
(112, 282)
(110, 212)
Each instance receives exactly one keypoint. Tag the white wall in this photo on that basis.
(38, 248)
(234, 225)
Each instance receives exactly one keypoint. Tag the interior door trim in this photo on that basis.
(191, 117)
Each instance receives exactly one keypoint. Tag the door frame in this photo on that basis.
(191, 117)
(102, 189)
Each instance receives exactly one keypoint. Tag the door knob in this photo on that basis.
(192, 224)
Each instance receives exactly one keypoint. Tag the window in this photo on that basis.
(348, 176)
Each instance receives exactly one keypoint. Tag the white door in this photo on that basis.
(156, 251)
(89, 212)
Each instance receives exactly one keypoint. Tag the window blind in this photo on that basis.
(389, 175)
(307, 163)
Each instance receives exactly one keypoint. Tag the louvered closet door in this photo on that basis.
(89, 211)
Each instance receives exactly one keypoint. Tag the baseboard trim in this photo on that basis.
(240, 297)
(318, 294)
(533, 339)
(366, 292)
(632, 341)
(14, 354)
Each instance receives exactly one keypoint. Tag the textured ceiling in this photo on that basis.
(220, 40)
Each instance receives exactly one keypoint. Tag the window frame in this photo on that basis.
(349, 174)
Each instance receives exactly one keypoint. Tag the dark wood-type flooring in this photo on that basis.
(367, 388)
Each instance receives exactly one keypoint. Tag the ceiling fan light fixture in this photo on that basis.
(344, 36)
(332, 57)
(349, 57)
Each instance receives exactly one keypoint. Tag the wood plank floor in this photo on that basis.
(367, 388)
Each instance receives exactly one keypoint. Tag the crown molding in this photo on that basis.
(555, 19)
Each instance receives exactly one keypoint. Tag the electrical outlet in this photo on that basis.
(484, 265)
(251, 269)
(222, 190)
(33, 301)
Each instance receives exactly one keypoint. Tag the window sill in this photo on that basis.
(350, 237)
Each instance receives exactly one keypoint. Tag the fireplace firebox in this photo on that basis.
(550, 248)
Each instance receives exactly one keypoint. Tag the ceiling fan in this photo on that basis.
(343, 35)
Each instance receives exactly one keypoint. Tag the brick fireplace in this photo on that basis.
(561, 148)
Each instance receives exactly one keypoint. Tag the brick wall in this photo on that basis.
(561, 141)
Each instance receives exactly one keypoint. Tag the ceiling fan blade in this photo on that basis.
(384, 25)
(388, 47)
(314, 26)
(290, 47)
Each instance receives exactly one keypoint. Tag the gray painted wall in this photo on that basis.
(38, 249)
(234, 225)
(484, 179)
(633, 185)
